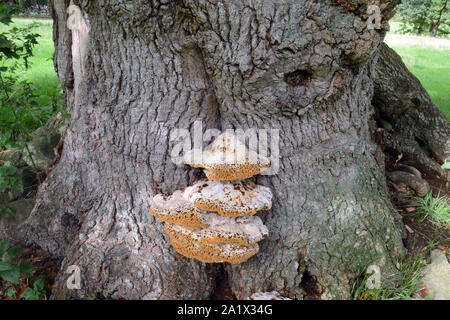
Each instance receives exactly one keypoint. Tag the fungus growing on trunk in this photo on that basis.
(175, 209)
(227, 158)
(243, 231)
(225, 240)
(231, 231)
(231, 198)
(214, 253)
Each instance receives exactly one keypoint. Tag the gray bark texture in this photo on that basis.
(415, 128)
(135, 70)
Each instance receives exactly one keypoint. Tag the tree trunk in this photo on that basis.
(139, 69)
(434, 29)
(436, 24)
(414, 127)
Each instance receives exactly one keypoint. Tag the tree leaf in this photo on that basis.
(3, 247)
(12, 275)
(29, 294)
(26, 267)
(11, 293)
(5, 266)
(39, 284)
(446, 165)
(11, 253)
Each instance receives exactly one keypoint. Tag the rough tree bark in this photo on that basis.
(139, 69)
(414, 127)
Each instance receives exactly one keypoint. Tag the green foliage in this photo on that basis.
(38, 290)
(418, 16)
(9, 179)
(41, 73)
(11, 293)
(32, 3)
(10, 271)
(436, 209)
(16, 43)
(18, 114)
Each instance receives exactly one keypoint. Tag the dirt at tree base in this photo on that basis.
(424, 233)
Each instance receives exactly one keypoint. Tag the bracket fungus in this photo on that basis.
(213, 221)
(230, 198)
(178, 211)
(227, 158)
(243, 231)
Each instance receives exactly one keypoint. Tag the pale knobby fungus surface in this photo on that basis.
(175, 209)
(227, 158)
(243, 231)
(231, 198)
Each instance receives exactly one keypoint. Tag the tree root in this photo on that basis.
(415, 128)
(419, 185)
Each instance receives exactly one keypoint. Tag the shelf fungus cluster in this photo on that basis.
(214, 220)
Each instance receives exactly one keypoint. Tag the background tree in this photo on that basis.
(133, 71)
(29, 7)
(425, 16)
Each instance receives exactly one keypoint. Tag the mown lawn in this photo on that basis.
(427, 58)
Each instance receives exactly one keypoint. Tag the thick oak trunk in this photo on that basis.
(415, 129)
(133, 71)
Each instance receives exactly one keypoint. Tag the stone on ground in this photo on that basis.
(20, 211)
(436, 278)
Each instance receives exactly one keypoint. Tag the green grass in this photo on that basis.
(410, 273)
(436, 209)
(41, 72)
(404, 285)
